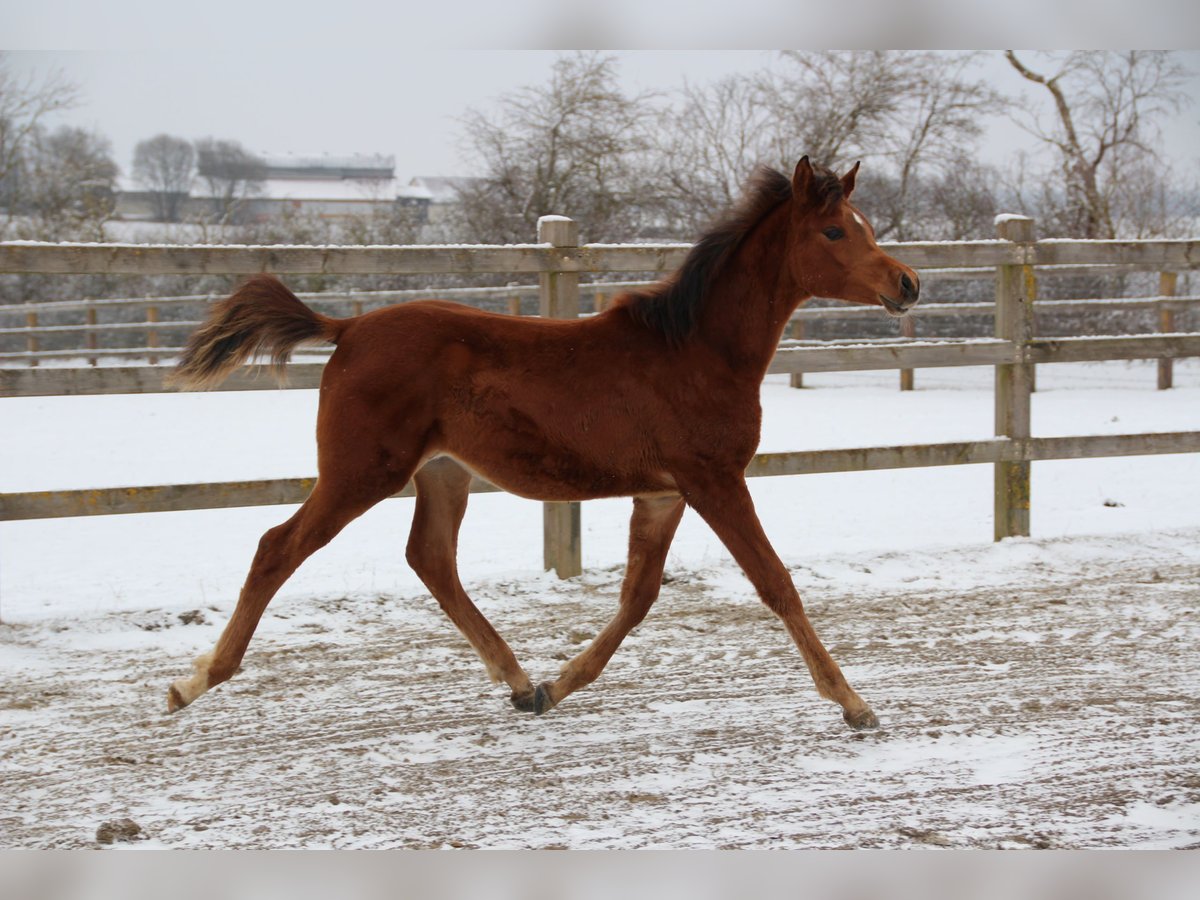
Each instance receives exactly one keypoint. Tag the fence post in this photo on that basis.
(1014, 322)
(152, 332)
(1031, 292)
(598, 301)
(558, 298)
(797, 378)
(89, 316)
(31, 342)
(908, 329)
(514, 305)
(1167, 282)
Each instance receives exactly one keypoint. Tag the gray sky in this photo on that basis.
(402, 103)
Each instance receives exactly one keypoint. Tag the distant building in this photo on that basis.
(443, 191)
(323, 185)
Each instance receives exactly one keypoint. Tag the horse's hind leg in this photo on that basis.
(328, 509)
(650, 532)
(442, 491)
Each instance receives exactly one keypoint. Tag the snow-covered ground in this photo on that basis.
(990, 665)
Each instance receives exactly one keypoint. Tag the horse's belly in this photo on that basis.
(560, 479)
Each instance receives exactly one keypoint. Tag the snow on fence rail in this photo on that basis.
(558, 261)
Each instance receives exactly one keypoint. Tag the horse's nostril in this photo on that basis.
(906, 283)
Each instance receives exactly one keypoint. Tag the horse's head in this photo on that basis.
(833, 249)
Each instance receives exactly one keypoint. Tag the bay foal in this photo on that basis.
(656, 398)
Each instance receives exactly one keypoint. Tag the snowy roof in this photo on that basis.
(443, 188)
(358, 161)
(333, 188)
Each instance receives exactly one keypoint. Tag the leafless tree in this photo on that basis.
(963, 199)
(1154, 201)
(573, 146)
(835, 105)
(930, 140)
(1107, 109)
(707, 146)
(25, 101)
(232, 175)
(68, 180)
(164, 166)
(908, 114)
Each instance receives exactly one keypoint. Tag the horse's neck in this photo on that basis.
(752, 299)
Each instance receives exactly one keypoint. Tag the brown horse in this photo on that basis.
(656, 398)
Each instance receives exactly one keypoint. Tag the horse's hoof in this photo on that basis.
(542, 701)
(524, 700)
(175, 701)
(863, 720)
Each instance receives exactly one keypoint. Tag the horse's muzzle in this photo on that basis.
(909, 294)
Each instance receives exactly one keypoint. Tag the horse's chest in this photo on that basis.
(727, 431)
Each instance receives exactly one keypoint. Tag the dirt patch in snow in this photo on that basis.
(1063, 715)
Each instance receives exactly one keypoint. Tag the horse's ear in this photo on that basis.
(848, 180)
(803, 181)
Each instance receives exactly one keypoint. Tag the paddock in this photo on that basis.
(1038, 692)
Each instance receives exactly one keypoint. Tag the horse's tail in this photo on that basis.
(260, 317)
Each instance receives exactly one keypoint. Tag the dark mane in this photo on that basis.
(672, 307)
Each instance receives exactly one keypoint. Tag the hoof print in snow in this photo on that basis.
(193, 617)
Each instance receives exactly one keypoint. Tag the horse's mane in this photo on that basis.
(672, 307)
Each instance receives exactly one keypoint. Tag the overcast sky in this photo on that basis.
(406, 103)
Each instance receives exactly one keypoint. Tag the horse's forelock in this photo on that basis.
(827, 188)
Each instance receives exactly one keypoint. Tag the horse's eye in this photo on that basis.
(834, 233)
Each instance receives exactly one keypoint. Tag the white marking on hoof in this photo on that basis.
(185, 690)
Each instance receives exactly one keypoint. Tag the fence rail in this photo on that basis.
(558, 261)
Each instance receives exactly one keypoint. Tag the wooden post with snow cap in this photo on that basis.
(558, 298)
(1014, 383)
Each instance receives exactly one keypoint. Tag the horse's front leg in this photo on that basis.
(725, 504)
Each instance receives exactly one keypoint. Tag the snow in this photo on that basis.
(896, 566)
(124, 440)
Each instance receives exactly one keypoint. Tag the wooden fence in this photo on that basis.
(558, 261)
(96, 339)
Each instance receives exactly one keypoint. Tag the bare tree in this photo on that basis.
(68, 180)
(934, 128)
(232, 175)
(911, 113)
(164, 166)
(835, 105)
(1154, 202)
(1107, 108)
(574, 146)
(707, 146)
(962, 202)
(25, 101)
